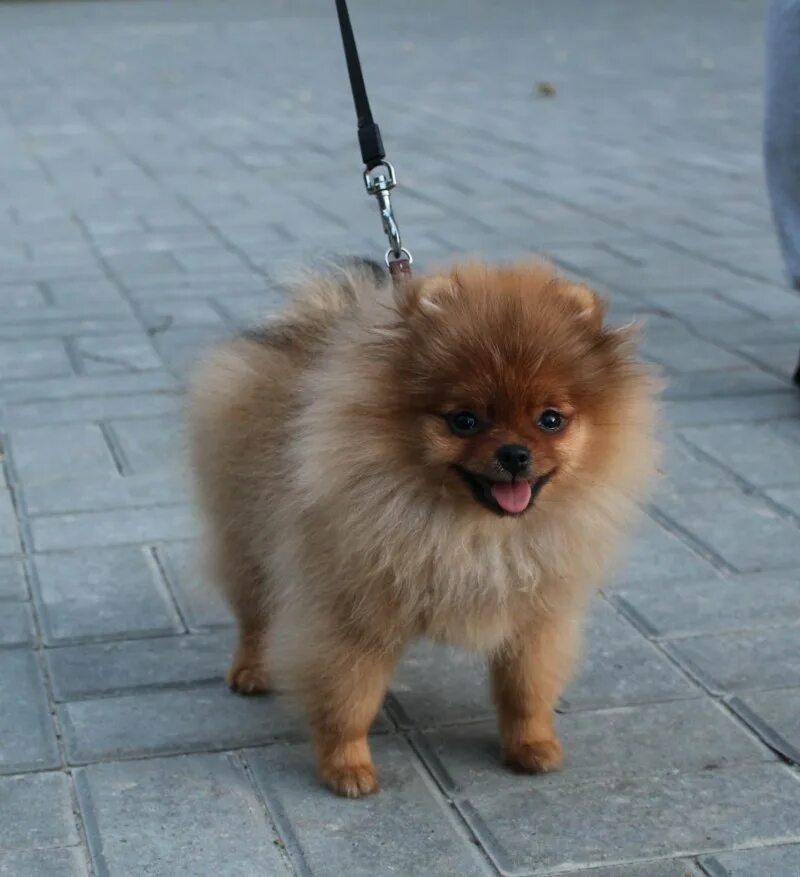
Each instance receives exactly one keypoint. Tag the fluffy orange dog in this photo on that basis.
(456, 458)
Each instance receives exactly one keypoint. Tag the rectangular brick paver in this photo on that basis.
(102, 593)
(27, 733)
(57, 862)
(37, 811)
(584, 824)
(408, 828)
(144, 818)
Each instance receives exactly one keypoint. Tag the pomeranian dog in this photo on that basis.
(454, 457)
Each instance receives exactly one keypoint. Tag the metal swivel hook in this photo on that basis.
(379, 181)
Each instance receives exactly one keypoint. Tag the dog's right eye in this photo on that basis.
(464, 423)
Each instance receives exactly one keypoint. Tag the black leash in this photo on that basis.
(379, 175)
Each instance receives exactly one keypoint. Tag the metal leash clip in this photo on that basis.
(379, 181)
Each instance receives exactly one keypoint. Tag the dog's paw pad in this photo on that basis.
(248, 679)
(352, 781)
(540, 756)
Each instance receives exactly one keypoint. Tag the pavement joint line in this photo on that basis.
(689, 539)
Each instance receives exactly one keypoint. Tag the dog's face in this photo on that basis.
(504, 450)
(512, 382)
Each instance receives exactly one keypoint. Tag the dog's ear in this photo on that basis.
(588, 305)
(425, 296)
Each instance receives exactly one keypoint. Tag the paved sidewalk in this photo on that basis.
(161, 163)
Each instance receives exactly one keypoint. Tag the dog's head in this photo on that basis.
(504, 384)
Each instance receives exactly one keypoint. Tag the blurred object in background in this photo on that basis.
(782, 130)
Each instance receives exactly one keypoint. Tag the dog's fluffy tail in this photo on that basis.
(317, 300)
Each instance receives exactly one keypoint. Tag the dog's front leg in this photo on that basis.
(343, 698)
(527, 678)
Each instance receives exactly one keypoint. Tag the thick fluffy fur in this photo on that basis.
(344, 514)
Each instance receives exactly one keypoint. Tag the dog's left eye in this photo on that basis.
(464, 423)
(551, 420)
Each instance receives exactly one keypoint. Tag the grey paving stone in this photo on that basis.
(21, 297)
(50, 412)
(151, 817)
(95, 294)
(181, 348)
(102, 593)
(37, 811)
(209, 259)
(60, 325)
(680, 351)
(46, 317)
(16, 624)
(9, 534)
(781, 357)
(754, 332)
(12, 580)
(58, 862)
(682, 736)
(788, 498)
(731, 409)
(775, 716)
(27, 738)
(789, 428)
(589, 823)
(180, 313)
(33, 359)
(192, 286)
(771, 301)
(683, 470)
(697, 307)
(734, 382)
(767, 658)
(200, 602)
(134, 264)
(206, 717)
(620, 667)
(44, 453)
(715, 604)
(755, 452)
(112, 668)
(151, 443)
(98, 492)
(741, 529)
(657, 554)
(249, 310)
(665, 868)
(406, 829)
(85, 386)
(161, 241)
(128, 352)
(779, 861)
(434, 685)
(116, 527)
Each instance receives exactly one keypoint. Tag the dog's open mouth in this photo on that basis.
(504, 497)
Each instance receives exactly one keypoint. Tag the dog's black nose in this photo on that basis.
(514, 458)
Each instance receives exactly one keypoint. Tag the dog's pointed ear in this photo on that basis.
(425, 296)
(589, 306)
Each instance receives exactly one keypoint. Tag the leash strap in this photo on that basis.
(369, 134)
(379, 175)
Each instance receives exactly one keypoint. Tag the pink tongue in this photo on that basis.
(512, 498)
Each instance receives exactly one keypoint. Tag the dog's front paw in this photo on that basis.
(351, 781)
(248, 678)
(538, 756)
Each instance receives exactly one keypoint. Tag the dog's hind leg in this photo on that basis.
(246, 590)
